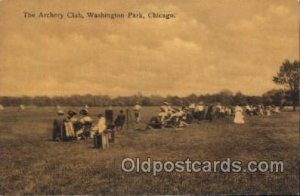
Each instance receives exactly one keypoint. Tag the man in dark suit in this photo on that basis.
(120, 121)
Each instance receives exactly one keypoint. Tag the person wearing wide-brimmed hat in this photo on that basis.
(86, 123)
(167, 108)
(69, 124)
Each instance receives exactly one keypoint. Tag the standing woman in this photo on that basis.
(238, 115)
(137, 112)
(100, 132)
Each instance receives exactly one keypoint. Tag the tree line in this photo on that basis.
(272, 97)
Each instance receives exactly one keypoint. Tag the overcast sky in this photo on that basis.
(209, 46)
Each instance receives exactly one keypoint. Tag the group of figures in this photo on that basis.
(175, 117)
(71, 127)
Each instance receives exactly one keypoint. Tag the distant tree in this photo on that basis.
(288, 76)
(226, 96)
(156, 100)
(254, 100)
(145, 101)
(273, 97)
(192, 98)
(239, 98)
(174, 100)
(42, 101)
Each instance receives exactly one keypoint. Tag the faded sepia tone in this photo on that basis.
(209, 46)
(84, 99)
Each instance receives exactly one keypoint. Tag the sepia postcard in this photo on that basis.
(153, 97)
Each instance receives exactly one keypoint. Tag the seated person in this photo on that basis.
(260, 109)
(86, 125)
(277, 109)
(173, 119)
(228, 111)
(180, 116)
(268, 110)
(155, 123)
(188, 115)
(249, 110)
(69, 124)
(163, 115)
(222, 112)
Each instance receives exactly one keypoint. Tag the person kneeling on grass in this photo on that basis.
(86, 125)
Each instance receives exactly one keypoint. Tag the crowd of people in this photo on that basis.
(72, 126)
(178, 117)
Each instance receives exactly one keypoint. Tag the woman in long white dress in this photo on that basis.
(100, 129)
(238, 115)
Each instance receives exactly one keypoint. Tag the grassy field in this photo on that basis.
(31, 163)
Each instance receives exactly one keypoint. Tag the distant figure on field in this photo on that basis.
(192, 106)
(109, 117)
(199, 111)
(21, 107)
(261, 110)
(212, 112)
(277, 109)
(58, 126)
(268, 110)
(238, 115)
(249, 110)
(137, 112)
(120, 121)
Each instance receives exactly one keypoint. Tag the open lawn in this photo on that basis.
(31, 163)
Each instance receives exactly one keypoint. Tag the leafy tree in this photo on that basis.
(288, 76)
(239, 98)
(274, 97)
(226, 96)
